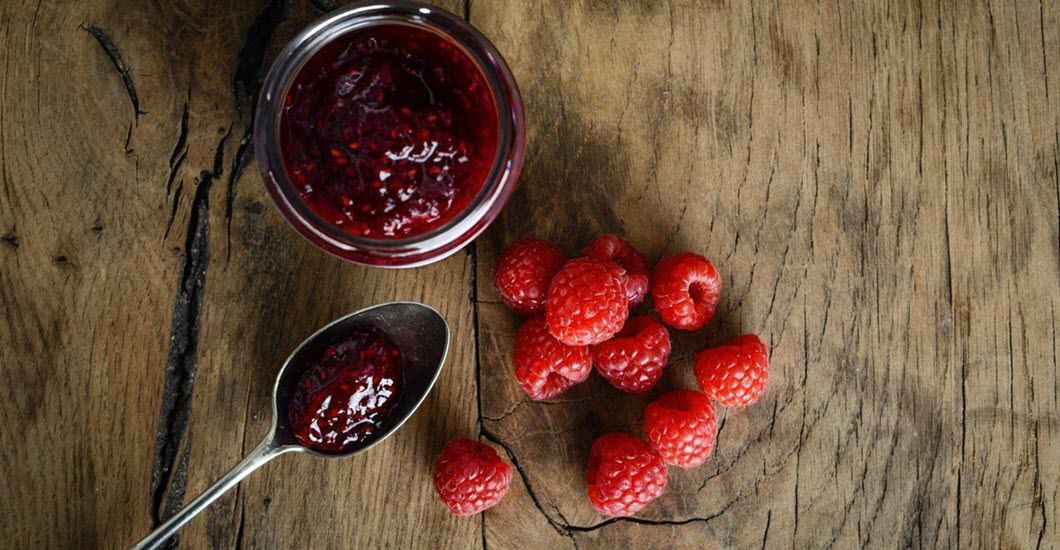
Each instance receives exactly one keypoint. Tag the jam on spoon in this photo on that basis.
(350, 347)
(346, 391)
(389, 131)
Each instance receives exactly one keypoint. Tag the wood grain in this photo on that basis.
(878, 183)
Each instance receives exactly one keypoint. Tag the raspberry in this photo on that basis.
(586, 302)
(686, 289)
(618, 250)
(634, 359)
(735, 372)
(624, 474)
(544, 366)
(469, 476)
(681, 426)
(523, 272)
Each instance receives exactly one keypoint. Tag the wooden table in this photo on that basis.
(878, 184)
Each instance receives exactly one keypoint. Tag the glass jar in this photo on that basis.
(439, 242)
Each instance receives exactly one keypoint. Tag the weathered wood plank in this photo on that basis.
(197, 265)
(877, 183)
(91, 109)
(267, 290)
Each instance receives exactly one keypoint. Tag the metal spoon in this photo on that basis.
(421, 334)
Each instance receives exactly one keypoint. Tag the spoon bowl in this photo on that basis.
(421, 334)
(417, 330)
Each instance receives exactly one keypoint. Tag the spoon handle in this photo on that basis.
(263, 453)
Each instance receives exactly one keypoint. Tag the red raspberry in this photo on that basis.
(586, 302)
(681, 425)
(469, 476)
(523, 272)
(735, 372)
(624, 474)
(618, 250)
(634, 359)
(686, 289)
(544, 366)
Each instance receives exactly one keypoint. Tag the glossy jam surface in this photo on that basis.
(389, 131)
(346, 392)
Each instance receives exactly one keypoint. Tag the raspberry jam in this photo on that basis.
(388, 131)
(346, 392)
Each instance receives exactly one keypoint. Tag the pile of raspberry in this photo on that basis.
(578, 319)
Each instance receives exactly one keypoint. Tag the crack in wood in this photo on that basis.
(642, 521)
(1056, 172)
(173, 210)
(1039, 493)
(128, 138)
(472, 251)
(246, 85)
(244, 155)
(116, 59)
(240, 494)
(558, 526)
(545, 403)
(240, 531)
(567, 530)
(765, 533)
(247, 80)
(168, 479)
(180, 149)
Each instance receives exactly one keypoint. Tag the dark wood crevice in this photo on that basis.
(472, 252)
(181, 363)
(559, 527)
(569, 531)
(244, 157)
(240, 532)
(128, 137)
(114, 54)
(180, 148)
(642, 521)
(167, 480)
(246, 85)
(173, 209)
(251, 58)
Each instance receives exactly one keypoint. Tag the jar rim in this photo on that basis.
(449, 236)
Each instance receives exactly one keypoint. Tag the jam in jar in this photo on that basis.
(388, 131)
